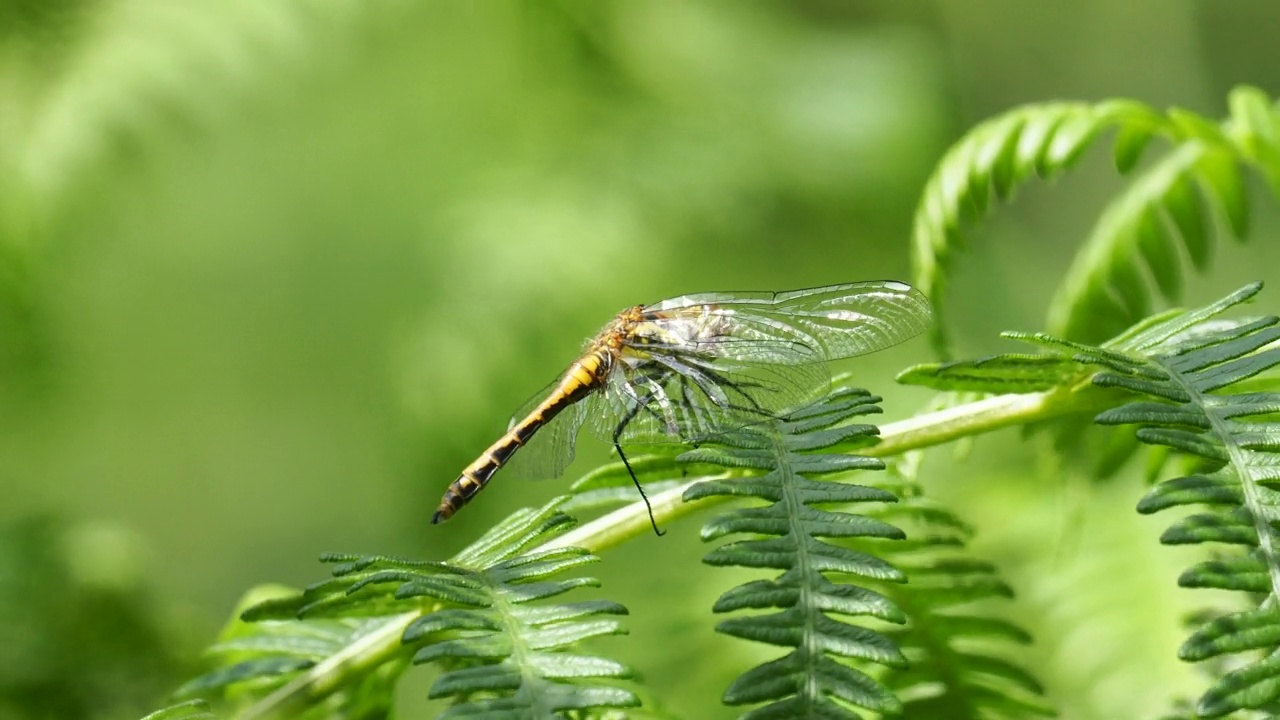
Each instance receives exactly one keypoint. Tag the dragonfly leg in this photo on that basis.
(617, 433)
(737, 386)
(656, 394)
(715, 386)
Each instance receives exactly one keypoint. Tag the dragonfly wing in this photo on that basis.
(551, 449)
(800, 326)
(622, 405)
(686, 397)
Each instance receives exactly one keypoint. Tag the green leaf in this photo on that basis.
(1131, 141)
(1257, 629)
(1008, 373)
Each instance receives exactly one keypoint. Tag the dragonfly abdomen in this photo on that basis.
(479, 473)
(584, 376)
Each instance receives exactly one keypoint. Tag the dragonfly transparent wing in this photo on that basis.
(714, 361)
(551, 449)
(686, 397)
(800, 326)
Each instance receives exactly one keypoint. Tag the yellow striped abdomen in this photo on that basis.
(585, 375)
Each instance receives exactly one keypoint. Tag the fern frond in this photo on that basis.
(808, 681)
(1171, 205)
(1204, 396)
(504, 653)
(252, 659)
(957, 670)
(1184, 365)
(1192, 360)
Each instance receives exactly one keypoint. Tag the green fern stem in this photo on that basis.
(935, 428)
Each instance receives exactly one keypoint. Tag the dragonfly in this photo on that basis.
(693, 366)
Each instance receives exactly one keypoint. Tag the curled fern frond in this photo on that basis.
(1171, 205)
(789, 534)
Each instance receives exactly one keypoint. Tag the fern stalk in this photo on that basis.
(1259, 509)
(913, 433)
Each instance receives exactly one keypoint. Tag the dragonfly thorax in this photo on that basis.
(682, 331)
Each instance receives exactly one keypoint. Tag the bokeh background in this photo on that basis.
(272, 273)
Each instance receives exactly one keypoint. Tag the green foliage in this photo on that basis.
(833, 562)
(1186, 367)
(1169, 210)
(874, 595)
(256, 656)
(953, 642)
(79, 634)
(480, 618)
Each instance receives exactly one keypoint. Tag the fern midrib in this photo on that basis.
(328, 676)
(1266, 538)
(913, 433)
(520, 650)
(794, 506)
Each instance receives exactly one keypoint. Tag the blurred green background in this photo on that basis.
(272, 273)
